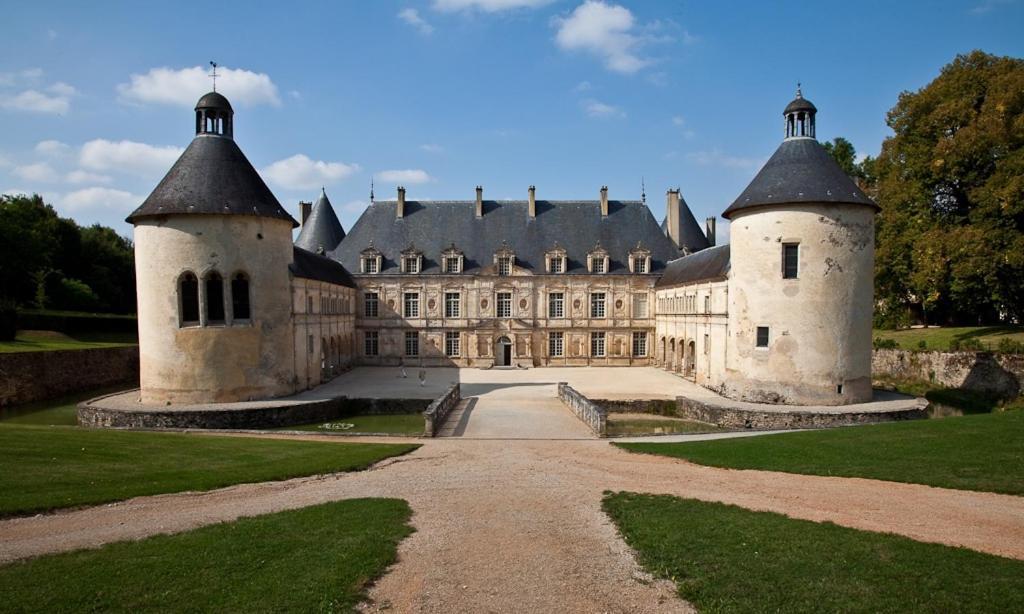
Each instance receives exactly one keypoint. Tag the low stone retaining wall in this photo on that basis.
(437, 412)
(1000, 374)
(592, 414)
(743, 419)
(657, 407)
(95, 414)
(37, 376)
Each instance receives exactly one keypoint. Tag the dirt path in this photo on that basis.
(516, 525)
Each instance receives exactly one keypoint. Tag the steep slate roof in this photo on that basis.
(800, 171)
(212, 177)
(308, 265)
(321, 228)
(705, 265)
(576, 226)
(693, 237)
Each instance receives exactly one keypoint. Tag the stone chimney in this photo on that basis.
(400, 209)
(533, 201)
(709, 232)
(479, 201)
(604, 201)
(304, 209)
(673, 220)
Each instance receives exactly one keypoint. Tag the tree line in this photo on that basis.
(50, 262)
(950, 182)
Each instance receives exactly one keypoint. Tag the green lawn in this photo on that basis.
(618, 427)
(39, 341)
(724, 558)
(52, 467)
(313, 559)
(978, 452)
(939, 338)
(392, 424)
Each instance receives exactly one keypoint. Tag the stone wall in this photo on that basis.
(736, 418)
(38, 376)
(592, 414)
(1001, 374)
(437, 412)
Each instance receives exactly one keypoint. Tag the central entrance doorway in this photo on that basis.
(503, 352)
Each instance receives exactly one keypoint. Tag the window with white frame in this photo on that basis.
(639, 344)
(557, 264)
(370, 264)
(597, 264)
(504, 265)
(639, 264)
(411, 305)
(556, 305)
(451, 264)
(597, 305)
(597, 345)
(504, 305)
(451, 344)
(371, 343)
(556, 344)
(411, 264)
(412, 343)
(639, 305)
(452, 305)
(371, 305)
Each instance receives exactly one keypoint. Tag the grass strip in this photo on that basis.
(724, 558)
(316, 558)
(52, 467)
(978, 452)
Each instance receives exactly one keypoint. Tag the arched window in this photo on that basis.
(188, 299)
(240, 297)
(214, 298)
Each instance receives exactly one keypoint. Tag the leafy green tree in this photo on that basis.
(845, 155)
(950, 182)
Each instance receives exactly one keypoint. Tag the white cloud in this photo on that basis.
(35, 101)
(678, 120)
(62, 89)
(128, 157)
(52, 148)
(432, 148)
(26, 76)
(99, 198)
(717, 158)
(404, 176)
(412, 17)
(604, 30)
(184, 86)
(596, 108)
(487, 6)
(299, 172)
(80, 176)
(40, 172)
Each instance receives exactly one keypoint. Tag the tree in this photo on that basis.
(845, 155)
(950, 182)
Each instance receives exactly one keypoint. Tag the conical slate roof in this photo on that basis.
(322, 228)
(692, 236)
(212, 177)
(800, 171)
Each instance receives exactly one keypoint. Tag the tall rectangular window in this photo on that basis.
(556, 264)
(707, 344)
(790, 260)
(452, 305)
(640, 306)
(597, 264)
(411, 304)
(412, 264)
(556, 344)
(412, 343)
(504, 305)
(451, 264)
(762, 336)
(451, 344)
(639, 344)
(597, 309)
(309, 344)
(556, 305)
(597, 345)
(370, 265)
(640, 264)
(371, 343)
(707, 303)
(504, 265)
(371, 304)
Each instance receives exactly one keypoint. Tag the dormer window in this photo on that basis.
(370, 260)
(504, 260)
(412, 261)
(451, 260)
(597, 260)
(555, 260)
(639, 260)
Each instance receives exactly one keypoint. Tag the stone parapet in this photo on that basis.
(437, 412)
(592, 414)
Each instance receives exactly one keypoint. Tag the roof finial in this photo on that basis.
(371, 189)
(213, 74)
(799, 94)
(643, 190)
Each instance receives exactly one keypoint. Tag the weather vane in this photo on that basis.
(371, 189)
(214, 74)
(643, 191)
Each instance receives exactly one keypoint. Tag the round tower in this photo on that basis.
(212, 249)
(801, 280)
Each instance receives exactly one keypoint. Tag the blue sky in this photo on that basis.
(441, 95)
